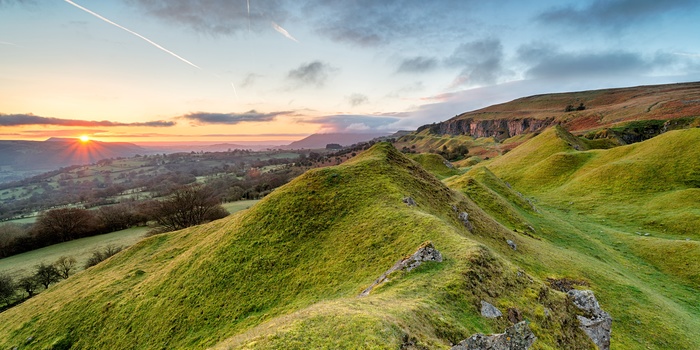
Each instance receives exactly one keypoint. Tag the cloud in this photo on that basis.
(352, 123)
(357, 99)
(481, 62)
(249, 80)
(418, 64)
(31, 119)
(612, 14)
(312, 73)
(201, 118)
(374, 23)
(215, 17)
(547, 62)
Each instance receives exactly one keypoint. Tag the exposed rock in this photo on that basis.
(565, 284)
(517, 337)
(500, 129)
(512, 244)
(426, 252)
(464, 217)
(454, 208)
(597, 324)
(514, 315)
(409, 201)
(448, 164)
(490, 311)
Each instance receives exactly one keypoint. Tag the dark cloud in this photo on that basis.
(312, 73)
(352, 123)
(231, 118)
(372, 23)
(215, 17)
(357, 99)
(417, 65)
(31, 119)
(547, 62)
(481, 62)
(613, 14)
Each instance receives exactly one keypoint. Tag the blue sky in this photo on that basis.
(249, 70)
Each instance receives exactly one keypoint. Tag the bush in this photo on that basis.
(64, 265)
(46, 274)
(101, 255)
(7, 288)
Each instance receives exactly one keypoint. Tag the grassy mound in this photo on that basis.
(435, 164)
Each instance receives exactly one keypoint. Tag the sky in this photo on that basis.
(275, 70)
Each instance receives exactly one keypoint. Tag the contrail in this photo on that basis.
(234, 89)
(283, 31)
(8, 43)
(134, 33)
(248, 3)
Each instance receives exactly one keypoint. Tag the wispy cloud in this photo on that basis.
(418, 64)
(481, 62)
(31, 119)
(312, 73)
(202, 118)
(284, 32)
(357, 99)
(352, 123)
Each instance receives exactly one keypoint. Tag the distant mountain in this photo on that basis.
(316, 141)
(21, 158)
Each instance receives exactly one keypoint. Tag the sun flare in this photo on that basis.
(84, 138)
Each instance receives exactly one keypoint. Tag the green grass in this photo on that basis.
(287, 272)
(81, 249)
(233, 207)
(435, 164)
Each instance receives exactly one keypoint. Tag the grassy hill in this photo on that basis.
(287, 272)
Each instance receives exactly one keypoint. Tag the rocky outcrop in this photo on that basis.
(597, 323)
(464, 218)
(490, 311)
(500, 129)
(517, 337)
(426, 252)
(409, 201)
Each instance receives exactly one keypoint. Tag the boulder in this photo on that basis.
(597, 324)
(409, 201)
(464, 217)
(490, 311)
(512, 244)
(517, 337)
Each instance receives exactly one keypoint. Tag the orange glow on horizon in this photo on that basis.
(84, 138)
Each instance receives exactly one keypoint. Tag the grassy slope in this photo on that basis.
(648, 283)
(435, 164)
(287, 272)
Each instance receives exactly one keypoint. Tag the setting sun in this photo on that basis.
(84, 138)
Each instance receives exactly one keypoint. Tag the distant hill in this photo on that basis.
(583, 112)
(317, 141)
(24, 157)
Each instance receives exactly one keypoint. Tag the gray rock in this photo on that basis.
(464, 217)
(517, 337)
(409, 201)
(490, 311)
(448, 164)
(597, 324)
(426, 252)
(512, 244)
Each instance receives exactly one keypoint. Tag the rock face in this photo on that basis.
(517, 337)
(426, 252)
(490, 311)
(464, 217)
(500, 129)
(597, 324)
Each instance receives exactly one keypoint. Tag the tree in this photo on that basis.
(7, 288)
(46, 274)
(61, 225)
(188, 206)
(64, 265)
(101, 255)
(28, 284)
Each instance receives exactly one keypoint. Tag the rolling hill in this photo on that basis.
(289, 272)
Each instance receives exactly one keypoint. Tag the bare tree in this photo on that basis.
(46, 274)
(65, 224)
(100, 255)
(188, 206)
(64, 265)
